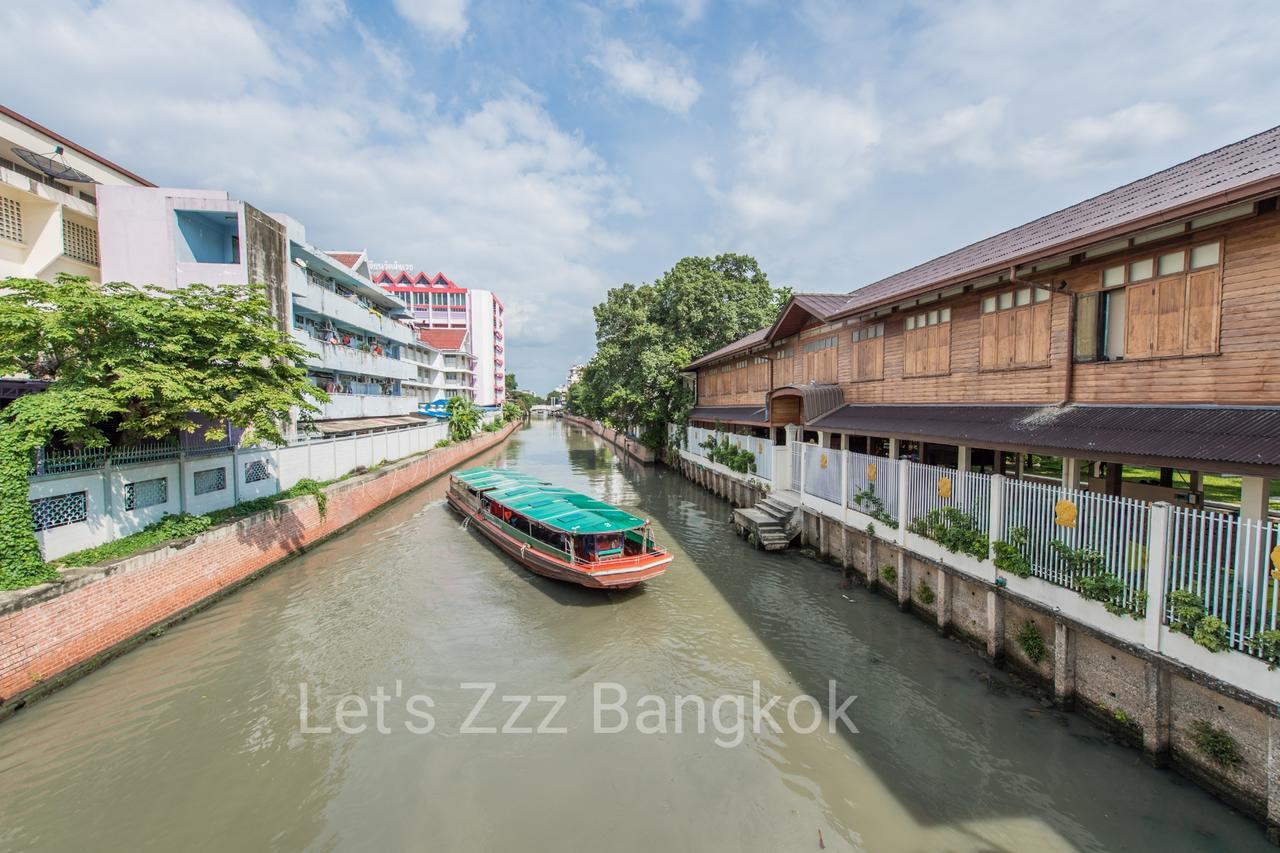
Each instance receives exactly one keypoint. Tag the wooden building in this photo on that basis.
(1140, 327)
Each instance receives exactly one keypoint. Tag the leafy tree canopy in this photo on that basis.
(135, 363)
(645, 334)
(464, 418)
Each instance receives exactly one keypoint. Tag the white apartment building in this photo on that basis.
(48, 201)
(174, 237)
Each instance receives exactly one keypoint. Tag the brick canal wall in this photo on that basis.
(625, 443)
(1146, 699)
(52, 633)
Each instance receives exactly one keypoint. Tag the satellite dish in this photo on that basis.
(58, 169)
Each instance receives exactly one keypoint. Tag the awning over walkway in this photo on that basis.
(815, 402)
(1229, 436)
(750, 415)
(341, 425)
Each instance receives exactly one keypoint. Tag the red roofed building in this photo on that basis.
(440, 305)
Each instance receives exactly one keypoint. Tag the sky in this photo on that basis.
(551, 150)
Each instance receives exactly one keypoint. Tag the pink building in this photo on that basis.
(439, 303)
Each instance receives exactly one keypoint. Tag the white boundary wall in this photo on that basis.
(104, 513)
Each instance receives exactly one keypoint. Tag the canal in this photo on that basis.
(197, 740)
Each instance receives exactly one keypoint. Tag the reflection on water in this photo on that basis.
(194, 741)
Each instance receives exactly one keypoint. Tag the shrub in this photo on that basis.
(1211, 632)
(1188, 610)
(170, 527)
(1216, 743)
(889, 574)
(444, 442)
(1031, 642)
(869, 503)
(925, 593)
(721, 450)
(1088, 568)
(1009, 557)
(953, 529)
(1266, 644)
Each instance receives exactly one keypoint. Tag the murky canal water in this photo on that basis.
(195, 740)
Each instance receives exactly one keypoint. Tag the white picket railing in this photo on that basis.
(822, 467)
(876, 475)
(930, 487)
(1229, 563)
(797, 463)
(1114, 527)
(760, 448)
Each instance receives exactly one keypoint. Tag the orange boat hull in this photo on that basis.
(622, 573)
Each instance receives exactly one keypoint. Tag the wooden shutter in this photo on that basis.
(1041, 332)
(1022, 337)
(1204, 299)
(1171, 319)
(1085, 335)
(1004, 339)
(875, 358)
(987, 346)
(944, 348)
(1140, 321)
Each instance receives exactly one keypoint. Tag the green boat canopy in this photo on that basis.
(551, 506)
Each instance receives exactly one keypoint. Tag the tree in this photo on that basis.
(524, 399)
(464, 418)
(125, 363)
(646, 334)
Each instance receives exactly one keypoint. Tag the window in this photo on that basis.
(10, 219)
(80, 242)
(59, 510)
(145, 493)
(256, 471)
(1016, 329)
(926, 343)
(1167, 305)
(866, 358)
(820, 360)
(210, 480)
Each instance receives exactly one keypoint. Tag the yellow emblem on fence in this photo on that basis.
(1275, 561)
(944, 488)
(1064, 513)
(871, 472)
(822, 461)
(759, 447)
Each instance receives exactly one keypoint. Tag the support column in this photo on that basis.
(873, 571)
(904, 582)
(995, 626)
(964, 458)
(1157, 573)
(904, 490)
(1070, 472)
(1155, 715)
(1064, 664)
(893, 448)
(844, 546)
(1254, 498)
(944, 601)
(1273, 781)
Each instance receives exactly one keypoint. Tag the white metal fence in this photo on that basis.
(873, 484)
(822, 468)
(1231, 564)
(1115, 528)
(760, 448)
(930, 487)
(797, 461)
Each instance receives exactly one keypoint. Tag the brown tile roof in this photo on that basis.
(1219, 177)
(756, 337)
(1235, 172)
(347, 259)
(443, 339)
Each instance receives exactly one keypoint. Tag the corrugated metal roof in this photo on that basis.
(1240, 436)
(340, 425)
(817, 400)
(551, 506)
(731, 414)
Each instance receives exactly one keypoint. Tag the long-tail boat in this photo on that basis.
(555, 531)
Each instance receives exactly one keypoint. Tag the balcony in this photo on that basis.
(344, 359)
(366, 406)
(318, 300)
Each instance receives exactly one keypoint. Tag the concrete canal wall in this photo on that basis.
(52, 633)
(623, 442)
(1147, 699)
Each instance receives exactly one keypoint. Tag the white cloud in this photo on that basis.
(321, 14)
(804, 151)
(496, 194)
(1090, 141)
(446, 19)
(646, 78)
